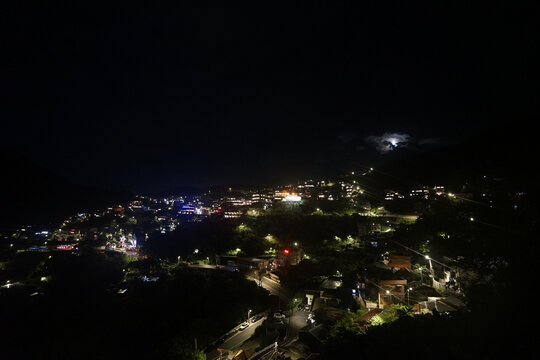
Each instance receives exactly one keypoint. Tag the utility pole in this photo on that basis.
(430, 267)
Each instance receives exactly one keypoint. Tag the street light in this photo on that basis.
(408, 291)
(249, 311)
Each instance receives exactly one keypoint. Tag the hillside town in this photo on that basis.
(361, 269)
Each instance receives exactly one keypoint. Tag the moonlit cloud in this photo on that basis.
(388, 141)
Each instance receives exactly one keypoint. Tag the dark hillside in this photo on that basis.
(30, 194)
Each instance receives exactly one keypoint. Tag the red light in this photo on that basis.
(286, 251)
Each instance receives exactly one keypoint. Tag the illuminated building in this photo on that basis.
(423, 192)
(439, 190)
(393, 195)
(288, 256)
(292, 198)
(391, 292)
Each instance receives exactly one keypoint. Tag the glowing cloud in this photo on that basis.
(388, 141)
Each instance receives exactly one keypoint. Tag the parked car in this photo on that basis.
(278, 315)
(256, 318)
(243, 326)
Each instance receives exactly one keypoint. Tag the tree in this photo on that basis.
(391, 313)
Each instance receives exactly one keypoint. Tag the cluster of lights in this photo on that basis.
(292, 198)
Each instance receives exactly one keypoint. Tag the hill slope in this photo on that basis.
(30, 194)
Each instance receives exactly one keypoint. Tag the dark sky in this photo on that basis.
(146, 98)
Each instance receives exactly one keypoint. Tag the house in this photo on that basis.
(437, 303)
(252, 263)
(399, 261)
(314, 336)
(288, 257)
(391, 292)
(244, 262)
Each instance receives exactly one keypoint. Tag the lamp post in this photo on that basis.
(249, 311)
(408, 291)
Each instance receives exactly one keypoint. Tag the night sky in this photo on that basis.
(145, 98)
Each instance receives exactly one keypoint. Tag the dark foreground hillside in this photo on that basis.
(32, 195)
